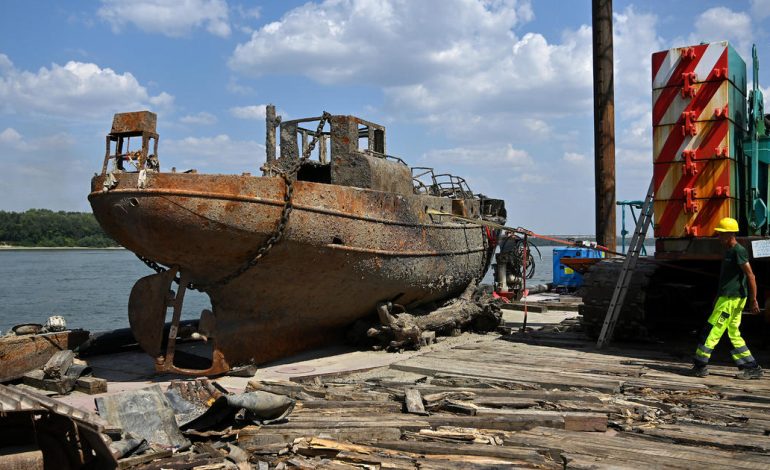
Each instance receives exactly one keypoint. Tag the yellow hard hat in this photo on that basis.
(728, 224)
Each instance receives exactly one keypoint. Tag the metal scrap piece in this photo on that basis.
(192, 398)
(258, 407)
(144, 413)
(81, 435)
(262, 407)
(185, 410)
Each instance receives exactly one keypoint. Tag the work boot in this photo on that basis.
(749, 373)
(700, 371)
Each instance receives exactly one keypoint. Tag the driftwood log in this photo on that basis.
(404, 330)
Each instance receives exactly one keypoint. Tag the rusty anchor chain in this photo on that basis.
(289, 174)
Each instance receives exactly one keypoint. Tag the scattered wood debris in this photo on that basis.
(63, 373)
(27, 349)
(543, 400)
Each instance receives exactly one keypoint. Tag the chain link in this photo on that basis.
(289, 174)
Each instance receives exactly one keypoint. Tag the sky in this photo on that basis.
(496, 91)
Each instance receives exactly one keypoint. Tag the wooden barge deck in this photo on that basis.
(545, 399)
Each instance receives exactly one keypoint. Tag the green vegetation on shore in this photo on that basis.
(46, 228)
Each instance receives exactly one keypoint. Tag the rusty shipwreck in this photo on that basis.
(290, 258)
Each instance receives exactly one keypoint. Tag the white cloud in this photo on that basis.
(382, 42)
(236, 88)
(466, 65)
(44, 171)
(635, 38)
(531, 178)
(202, 118)
(219, 153)
(12, 139)
(634, 156)
(479, 155)
(162, 100)
(249, 13)
(249, 112)
(5, 63)
(574, 158)
(170, 17)
(537, 127)
(760, 9)
(733, 26)
(10, 136)
(509, 74)
(74, 90)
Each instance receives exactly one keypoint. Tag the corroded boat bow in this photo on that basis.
(358, 233)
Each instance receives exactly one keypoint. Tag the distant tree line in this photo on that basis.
(46, 228)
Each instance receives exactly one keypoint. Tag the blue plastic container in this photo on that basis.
(564, 276)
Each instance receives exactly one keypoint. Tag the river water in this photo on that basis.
(90, 288)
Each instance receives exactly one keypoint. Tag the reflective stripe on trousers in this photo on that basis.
(726, 316)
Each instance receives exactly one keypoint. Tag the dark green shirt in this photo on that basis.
(732, 279)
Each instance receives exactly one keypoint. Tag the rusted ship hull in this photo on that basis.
(291, 258)
(344, 250)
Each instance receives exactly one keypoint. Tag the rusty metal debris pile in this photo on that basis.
(38, 432)
(192, 424)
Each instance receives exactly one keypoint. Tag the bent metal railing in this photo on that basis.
(426, 181)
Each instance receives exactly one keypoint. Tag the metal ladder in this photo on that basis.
(627, 272)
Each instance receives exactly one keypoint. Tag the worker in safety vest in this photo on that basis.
(734, 276)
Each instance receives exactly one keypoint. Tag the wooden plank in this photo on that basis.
(759, 407)
(658, 385)
(454, 380)
(445, 462)
(450, 459)
(510, 420)
(713, 437)
(140, 459)
(521, 455)
(634, 447)
(588, 407)
(522, 353)
(342, 405)
(21, 354)
(91, 385)
(56, 367)
(500, 422)
(424, 365)
(585, 422)
(502, 395)
(520, 360)
(572, 421)
(384, 420)
(26, 457)
(413, 401)
(366, 460)
(253, 438)
(458, 407)
(36, 378)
